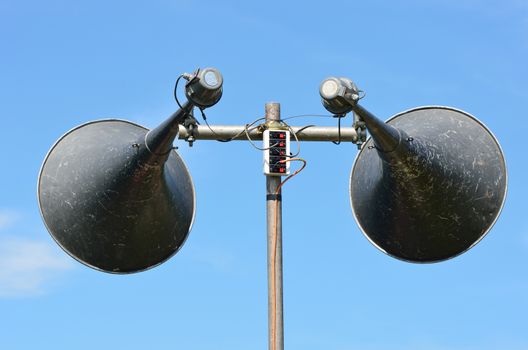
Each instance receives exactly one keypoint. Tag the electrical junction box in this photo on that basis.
(276, 151)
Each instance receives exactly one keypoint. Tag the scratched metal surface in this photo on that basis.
(110, 208)
(435, 196)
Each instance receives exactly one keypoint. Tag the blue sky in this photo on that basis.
(64, 63)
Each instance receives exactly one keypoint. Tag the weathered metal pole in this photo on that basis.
(274, 229)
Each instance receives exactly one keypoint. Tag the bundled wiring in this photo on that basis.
(252, 143)
(267, 148)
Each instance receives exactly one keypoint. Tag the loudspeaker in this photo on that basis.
(117, 197)
(429, 183)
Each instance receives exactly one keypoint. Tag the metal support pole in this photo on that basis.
(274, 228)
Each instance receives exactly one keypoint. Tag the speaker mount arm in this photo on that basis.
(159, 140)
(361, 130)
(387, 138)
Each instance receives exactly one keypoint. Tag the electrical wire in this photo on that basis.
(195, 76)
(296, 139)
(204, 117)
(304, 128)
(274, 239)
(246, 127)
(323, 116)
(362, 96)
(267, 148)
(176, 91)
(339, 117)
(253, 143)
(233, 137)
(246, 131)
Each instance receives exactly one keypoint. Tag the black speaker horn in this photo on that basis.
(429, 184)
(118, 197)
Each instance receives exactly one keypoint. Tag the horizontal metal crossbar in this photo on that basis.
(238, 132)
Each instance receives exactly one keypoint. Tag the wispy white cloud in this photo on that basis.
(28, 266)
(7, 218)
